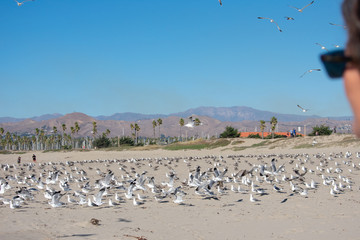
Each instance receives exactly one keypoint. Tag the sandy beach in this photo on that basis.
(305, 171)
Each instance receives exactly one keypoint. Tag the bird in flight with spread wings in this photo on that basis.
(334, 24)
(301, 9)
(271, 20)
(322, 47)
(309, 71)
(21, 3)
(302, 109)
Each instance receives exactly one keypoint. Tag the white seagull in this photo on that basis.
(178, 198)
(272, 21)
(334, 24)
(55, 199)
(21, 3)
(14, 204)
(322, 47)
(252, 199)
(302, 109)
(190, 124)
(301, 9)
(311, 70)
(136, 203)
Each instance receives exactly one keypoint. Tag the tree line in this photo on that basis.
(57, 139)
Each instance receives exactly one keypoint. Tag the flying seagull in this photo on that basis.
(322, 47)
(334, 24)
(21, 3)
(271, 20)
(303, 109)
(301, 9)
(289, 18)
(309, 71)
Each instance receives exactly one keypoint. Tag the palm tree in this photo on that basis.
(107, 133)
(72, 132)
(1, 135)
(59, 138)
(132, 128)
(37, 132)
(154, 126)
(137, 129)
(55, 132)
(159, 121)
(77, 129)
(273, 125)
(64, 129)
(42, 139)
(8, 140)
(262, 127)
(94, 131)
(33, 141)
(15, 142)
(197, 122)
(181, 123)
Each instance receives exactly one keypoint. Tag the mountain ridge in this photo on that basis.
(230, 114)
(170, 125)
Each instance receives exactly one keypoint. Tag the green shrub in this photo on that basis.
(321, 130)
(126, 141)
(275, 136)
(102, 142)
(254, 136)
(66, 147)
(230, 132)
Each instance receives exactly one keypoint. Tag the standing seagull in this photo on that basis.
(21, 3)
(252, 199)
(303, 109)
(309, 71)
(301, 9)
(271, 20)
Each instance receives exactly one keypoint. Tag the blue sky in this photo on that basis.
(102, 57)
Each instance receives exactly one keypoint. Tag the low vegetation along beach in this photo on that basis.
(286, 188)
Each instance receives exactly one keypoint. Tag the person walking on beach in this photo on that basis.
(34, 158)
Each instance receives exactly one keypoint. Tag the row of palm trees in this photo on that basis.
(42, 140)
(55, 139)
(273, 123)
(157, 123)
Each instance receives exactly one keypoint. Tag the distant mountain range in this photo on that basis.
(228, 114)
(214, 121)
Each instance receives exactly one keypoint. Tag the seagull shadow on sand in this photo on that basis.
(123, 220)
(77, 235)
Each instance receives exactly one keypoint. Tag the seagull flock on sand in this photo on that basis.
(130, 181)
